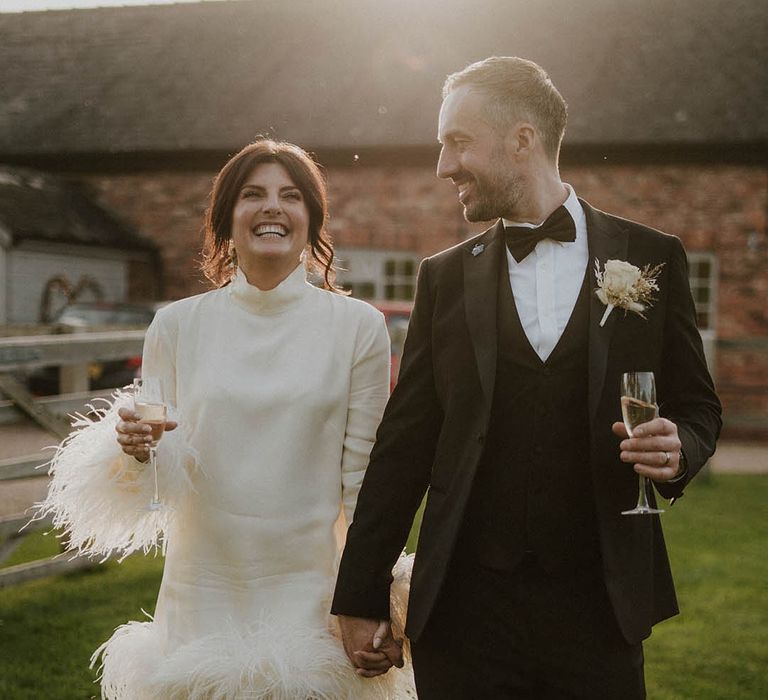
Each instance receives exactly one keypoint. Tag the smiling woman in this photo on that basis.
(270, 226)
(275, 185)
(277, 387)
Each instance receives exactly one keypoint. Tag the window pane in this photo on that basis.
(389, 291)
(703, 287)
(362, 290)
(389, 268)
(409, 268)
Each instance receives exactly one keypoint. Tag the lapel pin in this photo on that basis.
(479, 248)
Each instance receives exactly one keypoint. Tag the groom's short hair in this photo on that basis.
(517, 89)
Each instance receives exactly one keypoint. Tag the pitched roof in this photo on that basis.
(42, 207)
(365, 73)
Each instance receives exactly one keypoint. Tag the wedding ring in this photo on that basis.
(666, 459)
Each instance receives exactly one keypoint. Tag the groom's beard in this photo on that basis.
(497, 194)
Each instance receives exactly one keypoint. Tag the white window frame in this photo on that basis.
(697, 282)
(368, 267)
(709, 307)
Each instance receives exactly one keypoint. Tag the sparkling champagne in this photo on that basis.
(153, 415)
(638, 405)
(636, 412)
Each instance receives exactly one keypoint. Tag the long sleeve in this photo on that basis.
(98, 496)
(397, 476)
(159, 356)
(369, 389)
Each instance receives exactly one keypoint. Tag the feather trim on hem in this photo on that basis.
(98, 495)
(267, 661)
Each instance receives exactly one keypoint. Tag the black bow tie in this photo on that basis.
(521, 240)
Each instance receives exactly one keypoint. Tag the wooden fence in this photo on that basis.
(72, 354)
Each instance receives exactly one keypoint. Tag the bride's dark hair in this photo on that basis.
(218, 263)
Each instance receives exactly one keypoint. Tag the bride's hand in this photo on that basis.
(369, 664)
(369, 645)
(133, 436)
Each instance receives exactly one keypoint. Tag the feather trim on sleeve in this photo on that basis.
(98, 495)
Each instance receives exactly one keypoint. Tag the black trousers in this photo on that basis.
(525, 634)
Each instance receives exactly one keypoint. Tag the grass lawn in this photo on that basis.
(717, 537)
(716, 649)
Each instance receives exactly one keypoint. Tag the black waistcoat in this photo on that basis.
(533, 492)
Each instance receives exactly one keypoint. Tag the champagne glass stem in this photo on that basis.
(642, 499)
(153, 461)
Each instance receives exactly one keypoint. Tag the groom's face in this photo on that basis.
(474, 157)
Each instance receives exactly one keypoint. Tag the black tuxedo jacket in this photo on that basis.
(436, 420)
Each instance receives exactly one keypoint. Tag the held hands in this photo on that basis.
(370, 646)
(654, 450)
(133, 436)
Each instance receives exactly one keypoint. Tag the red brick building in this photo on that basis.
(666, 126)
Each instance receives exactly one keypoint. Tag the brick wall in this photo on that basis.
(168, 208)
(718, 209)
(403, 209)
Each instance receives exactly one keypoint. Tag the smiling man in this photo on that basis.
(528, 582)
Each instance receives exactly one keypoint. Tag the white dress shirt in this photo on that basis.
(547, 282)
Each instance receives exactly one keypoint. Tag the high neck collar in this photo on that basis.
(287, 294)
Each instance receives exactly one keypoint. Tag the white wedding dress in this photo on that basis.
(278, 395)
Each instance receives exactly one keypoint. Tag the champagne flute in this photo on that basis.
(638, 405)
(149, 404)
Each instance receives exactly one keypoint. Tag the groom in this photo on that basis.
(528, 582)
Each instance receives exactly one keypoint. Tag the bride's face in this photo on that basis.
(270, 222)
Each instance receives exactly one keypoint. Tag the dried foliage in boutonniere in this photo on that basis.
(626, 286)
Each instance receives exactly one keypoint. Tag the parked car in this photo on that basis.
(397, 315)
(85, 315)
(89, 316)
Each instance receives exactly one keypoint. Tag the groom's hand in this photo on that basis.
(654, 448)
(370, 646)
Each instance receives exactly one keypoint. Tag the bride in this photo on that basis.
(277, 388)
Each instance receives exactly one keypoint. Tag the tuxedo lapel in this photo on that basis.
(481, 270)
(607, 241)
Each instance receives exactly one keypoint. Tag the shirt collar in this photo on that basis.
(572, 205)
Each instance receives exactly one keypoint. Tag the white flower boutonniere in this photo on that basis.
(621, 284)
